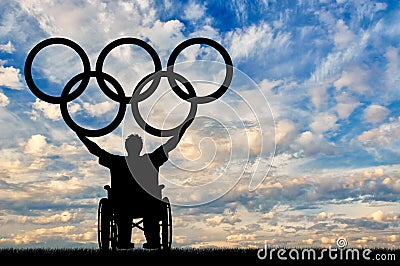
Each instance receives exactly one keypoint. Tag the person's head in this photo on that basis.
(133, 144)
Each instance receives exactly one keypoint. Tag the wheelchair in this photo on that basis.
(107, 231)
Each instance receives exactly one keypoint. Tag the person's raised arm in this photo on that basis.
(92, 147)
(173, 142)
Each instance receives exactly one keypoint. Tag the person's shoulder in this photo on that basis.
(158, 156)
(119, 157)
(113, 156)
(110, 158)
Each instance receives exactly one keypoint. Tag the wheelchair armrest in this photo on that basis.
(108, 188)
(160, 188)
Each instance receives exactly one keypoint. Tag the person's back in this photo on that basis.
(125, 189)
(135, 186)
(135, 190)
(145, 170)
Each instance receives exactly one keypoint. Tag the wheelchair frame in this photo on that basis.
(107, 229)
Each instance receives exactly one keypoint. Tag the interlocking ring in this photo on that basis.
(92, 132)
(137, 95)
(228, 75)
(103, 54)
(28, 69)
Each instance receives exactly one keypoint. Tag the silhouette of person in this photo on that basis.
(134, 184)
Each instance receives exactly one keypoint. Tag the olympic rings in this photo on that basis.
(119, 96)
(28, 69)
(228, 76)
(135, 102)
(114, 44)
(92, 132)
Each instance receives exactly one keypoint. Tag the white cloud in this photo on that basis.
(214, 221)
(42, 234)
(7, 48)
(90, 17)
(375, 113)
(241, 237)
(165, 35)
(267, 85)
(323, 122)
(112, 143)
(393, 238)
(4, 101)
(391, 80)
(253, 40)
(311, 143)
(194, 11)
(392, 68)
(63, 217)
(51, 111)
(99, 23)
(308, 241)
(327, 240)
(324, 216)
(11, 160)
(380, 216)
(285, 131)
(208, 32)
(384, 136)
(345, 105)
(36, 145)
(344, 110)
(319, 96)
(268, 215)
(356, 80)
(144, 4)
(11, 78)
(99, 108)
(343, 36)
(333, 63)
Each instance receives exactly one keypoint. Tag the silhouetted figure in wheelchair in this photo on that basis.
(135, 193)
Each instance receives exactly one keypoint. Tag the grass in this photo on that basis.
(208, 255)
(95, 255)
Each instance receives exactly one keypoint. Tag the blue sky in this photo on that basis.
(319, 79)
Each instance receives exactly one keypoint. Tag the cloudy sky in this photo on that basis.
(301, 150)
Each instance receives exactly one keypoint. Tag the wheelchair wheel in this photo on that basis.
(104, 219)
(114, 234)
(166, 225)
